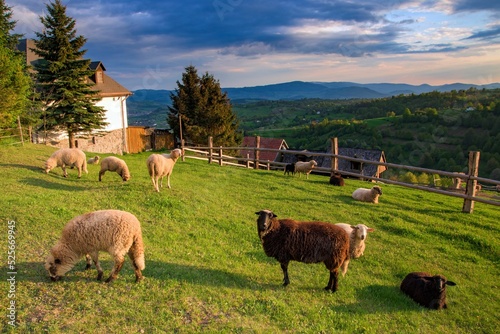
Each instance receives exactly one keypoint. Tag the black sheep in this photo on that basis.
(427, 290)
(289, 168)
(337, 180)
(308, 242)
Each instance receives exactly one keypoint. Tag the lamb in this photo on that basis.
(305, 167)
(367, 195)
(337, 180)
(93, 161)
(160, 165)
(67, 157)
(357, 236)
(427, 290)
(289, 168)
(116, 232)
(114, 164)
(308, 242)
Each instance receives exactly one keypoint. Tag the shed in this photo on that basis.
(272, 143)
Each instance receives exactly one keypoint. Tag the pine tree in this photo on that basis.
(14, 80)
(204, 111)
(62, 76)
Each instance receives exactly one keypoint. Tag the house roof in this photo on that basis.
(272, 143)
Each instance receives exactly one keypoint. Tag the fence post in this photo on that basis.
(20, 129)
(183, 143)
(256, 153)
(470, 189)
(220, 155)
(210, 151)
(335, 150)
(248, 160)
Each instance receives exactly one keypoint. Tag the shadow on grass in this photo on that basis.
(51, 185)
(27, 167)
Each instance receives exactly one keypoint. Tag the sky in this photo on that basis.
(147, 44)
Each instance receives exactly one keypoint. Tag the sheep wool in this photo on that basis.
(367, 195)
(308, 242)
(114, 164)
(426, 289)
(160, 165)
(67, 157)
(93, 160)
(116, 232)
(305, 167)
(357, 237)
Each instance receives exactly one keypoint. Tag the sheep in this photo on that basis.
(114, 164)
(116, 232)
(308, 242)
(67, 157)
(93, 161)
(337, 180)
(289, 168)
(305, 167)
(160, 165)
(427, 290)
(367, 195)
(357, 236)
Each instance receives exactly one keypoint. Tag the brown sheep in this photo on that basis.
(308, 242)
(427, 290)
(337, 180)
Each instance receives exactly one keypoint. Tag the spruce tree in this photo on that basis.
(62, 76)
(7, 39)
(204, 111)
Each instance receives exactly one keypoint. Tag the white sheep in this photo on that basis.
(367, 195)
(93, 160)
(160, 165)
(357, 236)
(113, 231)
(67, 157)
(305, 167)
(114, 164)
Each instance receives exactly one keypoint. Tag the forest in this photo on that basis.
(431, 130)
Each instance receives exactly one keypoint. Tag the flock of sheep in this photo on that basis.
(119, 232)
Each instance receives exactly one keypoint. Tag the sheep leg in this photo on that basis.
(137, 271)
(79, 171)
(284, 267)
(88, 259)
(168, 181)
(333, 282)
(95, 259)
(116, 269)
(65, 174)
(101, 173)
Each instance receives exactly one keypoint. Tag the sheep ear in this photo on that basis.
(450, 283)
(370, 229)
(354, 227)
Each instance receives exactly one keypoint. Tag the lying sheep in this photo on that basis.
(367, 195)
(427, 290)
(289, 168)
(357, 236)
(67, 157)
(308, 242)
(114, 164)
(93, 161)
(305, 167)
(160, 165)
(116, 232)
(337, 180)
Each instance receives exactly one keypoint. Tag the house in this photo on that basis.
(113, 100)
(271, 143)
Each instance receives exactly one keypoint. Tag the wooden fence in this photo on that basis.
(14, 135)
(471, 179)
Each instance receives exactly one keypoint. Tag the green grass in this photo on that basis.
(205, 267)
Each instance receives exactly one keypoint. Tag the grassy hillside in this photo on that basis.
(205, 267)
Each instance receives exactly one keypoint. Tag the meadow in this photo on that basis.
(205, 267)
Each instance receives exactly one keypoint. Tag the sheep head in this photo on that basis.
(264, 220)
(362, 231)
(176, 153)
(59, 262)
(377, 190)
(313, 163)
(440, 282)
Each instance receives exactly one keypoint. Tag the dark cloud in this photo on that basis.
(488, 34)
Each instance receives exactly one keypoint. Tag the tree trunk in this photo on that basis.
(71, 138)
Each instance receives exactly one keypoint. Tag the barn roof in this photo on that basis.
(272, 143)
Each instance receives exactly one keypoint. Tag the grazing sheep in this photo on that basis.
(427, 290)
(160, 165)
(116, 232)
(305, 167)
(308, 242)
(337, 180)
(67, 157)
(367, 195)
(289, 168)
(93, 161)
(114, 164)
(357, 236)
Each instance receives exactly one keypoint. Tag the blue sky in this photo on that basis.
(147, 44)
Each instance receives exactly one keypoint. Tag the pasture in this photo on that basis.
(206, 270)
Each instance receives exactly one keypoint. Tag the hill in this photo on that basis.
(205, 267)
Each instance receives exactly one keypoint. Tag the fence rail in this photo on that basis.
(13, 136)
(211, 153)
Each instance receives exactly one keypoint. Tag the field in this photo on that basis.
(205, 267)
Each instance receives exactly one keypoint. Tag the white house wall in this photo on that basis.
(116, 112)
